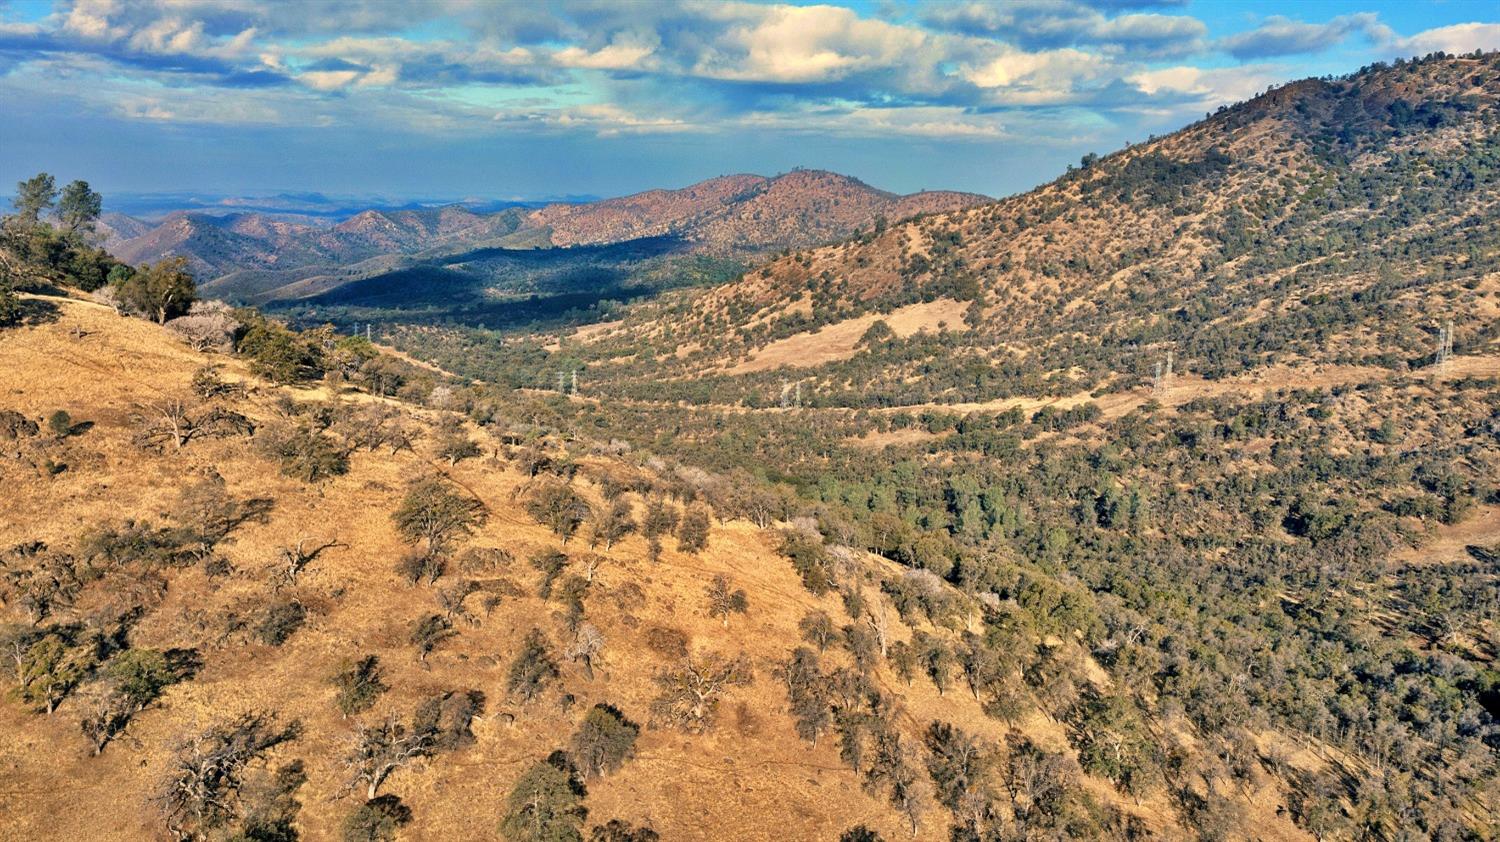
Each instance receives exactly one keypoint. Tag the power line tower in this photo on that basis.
(1445, 347)
(562, 380)
(1161, 381)
(575, 381)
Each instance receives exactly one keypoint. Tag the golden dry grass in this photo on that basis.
(750, 779)
(755, 782)
(839, 341)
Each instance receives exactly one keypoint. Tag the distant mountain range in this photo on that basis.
(729, 215)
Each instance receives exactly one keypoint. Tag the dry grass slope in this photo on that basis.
(750, 778)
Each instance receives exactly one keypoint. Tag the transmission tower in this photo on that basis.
(575, 381)
(1161, 381)
(1445, 347)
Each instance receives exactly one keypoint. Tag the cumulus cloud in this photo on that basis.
(959, 70)
(1458, 38)
(1038, 24)
(1281, 36)
(1205, 87)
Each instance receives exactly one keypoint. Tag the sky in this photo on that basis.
(525, 99)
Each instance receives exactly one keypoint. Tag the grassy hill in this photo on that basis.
(1187, 400)
(109, 520)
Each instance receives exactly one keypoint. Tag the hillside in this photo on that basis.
(733, 215)
(1159, 502)
(218, 245)
(1224, 402)
(739, 212)
(1340, 220)
(99, 562)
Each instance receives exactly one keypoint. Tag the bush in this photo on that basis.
(60, 423)
(359, 684)
(616, 830)
(303, 452)
(10, 306)
(605, 740)
(376, 820)
(281, 621)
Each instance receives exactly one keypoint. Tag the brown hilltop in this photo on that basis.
(740, 212)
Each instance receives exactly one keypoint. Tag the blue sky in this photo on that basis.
(465, 98)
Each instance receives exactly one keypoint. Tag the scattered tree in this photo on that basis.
(604, 741)
(161, 291)
(206, 777)
(546, 803)
(612, 524)
(692, 535)
(435, 515)
(587, 643)
(376, 751)
(817, 628)
(533, 668)
(559, 508)
(690, 693)
(358, 685)
(723, 602)
(550, 563)
(34, 196)
(429, 632)
(377, 820)
(79, 207)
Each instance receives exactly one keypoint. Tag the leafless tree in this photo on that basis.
(586, 646)
(172, 422)
(691, 691)
(203, 781)
(880, 623)
(293, 560)
(378, 750)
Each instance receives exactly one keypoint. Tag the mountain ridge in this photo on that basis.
(1231, 241)
(740, 214)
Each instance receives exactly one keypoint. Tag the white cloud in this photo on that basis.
(795, 44)
(620, 54)
(328, 80)
(1458, 38)
(1206, 87)
(1281, 36)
